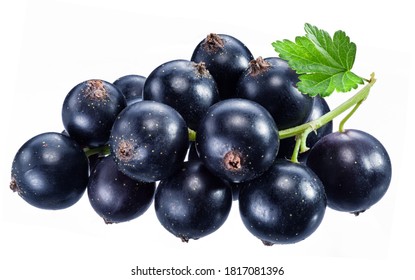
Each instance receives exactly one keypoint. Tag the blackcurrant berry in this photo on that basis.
(186, 86)
(226, 58)
(90, 109)
(237, 139)
(192, 203)
(114, 196)
(354, 167)
(272, 83)
(284, 205)
(149, 140)
(50, 171)
(131, 87)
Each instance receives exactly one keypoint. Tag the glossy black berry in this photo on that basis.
(285, 205)
(354, 167)
(116, 197)
(50, 171)
(193, 155)
(149, 140)
(90, 109)
(186, 86)
(237, 140)
(272, 83)
(226, 58)
(192, 203)
(131, 87)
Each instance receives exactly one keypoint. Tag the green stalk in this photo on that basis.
(343, 121)
(294, 157)
(102, 150)
(316, 124)
(301, 132)
(192, 135)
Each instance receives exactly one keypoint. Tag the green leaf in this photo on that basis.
(323, 63)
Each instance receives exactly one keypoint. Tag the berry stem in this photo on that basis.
(102, 150)
(301, 132)
(294, 157)
(192, 135)
(317, 123)
(343, 121)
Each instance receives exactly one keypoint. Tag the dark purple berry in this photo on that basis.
(226, 58)
(149, 141)
(283, 206)
(193, 202)
(237, 140)
(116, 197)
(354, 167)
(186, 86)
(90, 109)
(50, 171)
(131, 87)
(272, 83)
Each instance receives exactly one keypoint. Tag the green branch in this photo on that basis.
(316, 124)
(301, 132)
(102, 150)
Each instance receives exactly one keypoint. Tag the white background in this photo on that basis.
(48, 46)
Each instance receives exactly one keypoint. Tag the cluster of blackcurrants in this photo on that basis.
(193, 137)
